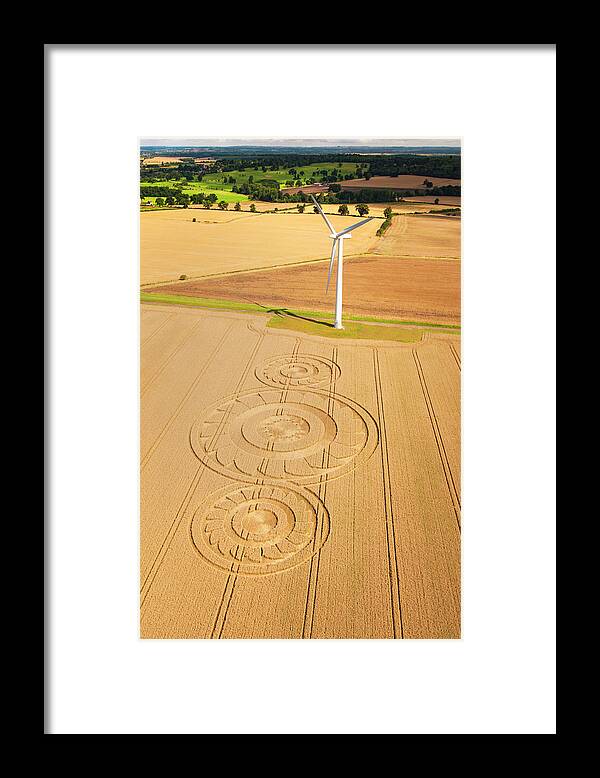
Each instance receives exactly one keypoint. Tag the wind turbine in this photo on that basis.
(338, 243)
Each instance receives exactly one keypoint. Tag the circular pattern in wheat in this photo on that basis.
(260, 529)
(293, 435)
(297, 370)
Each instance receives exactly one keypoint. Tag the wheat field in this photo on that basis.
(295, 487)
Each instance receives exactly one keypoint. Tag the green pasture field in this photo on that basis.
(281, 175)
(213, 182)
(194, 187)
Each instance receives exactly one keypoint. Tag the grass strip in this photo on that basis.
(209, 302)
(352, 329)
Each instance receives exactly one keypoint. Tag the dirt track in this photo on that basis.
(293, 488)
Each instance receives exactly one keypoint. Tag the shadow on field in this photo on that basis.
(285, 312)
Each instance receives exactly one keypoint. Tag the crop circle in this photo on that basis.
(259, 529)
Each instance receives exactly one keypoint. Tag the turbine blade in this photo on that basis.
(333, 248)
(323, 215)
(355, 226)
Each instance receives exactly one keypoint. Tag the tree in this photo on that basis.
(237, 207)
(170, 200)
(301, 207)
(252, 207)
(362, 209)
(207, 204)
(223, 205)
(343, 210)
(388, 212)
(160, 202)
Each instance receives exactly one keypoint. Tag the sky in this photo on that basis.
(324, 142)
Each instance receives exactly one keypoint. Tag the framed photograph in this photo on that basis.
(300, 389)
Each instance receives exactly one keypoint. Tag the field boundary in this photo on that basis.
(214, 303)
(448, 475)
(234, 272)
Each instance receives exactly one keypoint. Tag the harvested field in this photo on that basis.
(293, 487)
(226, 241)
(421, 236)
(377, 209)
(262, 206)
(386, 287)
(449, 200)
(160, 160)
(397, 182)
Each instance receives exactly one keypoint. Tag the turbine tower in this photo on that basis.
(338, 243)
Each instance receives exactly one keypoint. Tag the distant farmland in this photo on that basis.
(442, 200)
(309, 189)
(160, 160)
(397, 182)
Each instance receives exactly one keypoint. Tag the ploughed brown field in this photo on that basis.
(293, 487)
(397, 182)
(387, 287)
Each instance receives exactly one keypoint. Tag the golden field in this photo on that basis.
(160, 160)
(296, 487)
(171, 244)
(434, 237)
